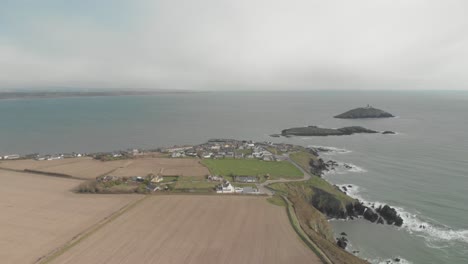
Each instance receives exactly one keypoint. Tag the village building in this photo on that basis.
(225, 187)
(11, 157)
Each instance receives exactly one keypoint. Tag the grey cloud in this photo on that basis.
(256, 44)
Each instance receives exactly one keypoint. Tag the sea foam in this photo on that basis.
(390, 261)
(330, 150)
(435, 235)
(344, 168)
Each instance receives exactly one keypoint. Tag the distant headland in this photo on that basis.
(61, 94)
(364, 112)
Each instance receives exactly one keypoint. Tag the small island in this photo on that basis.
(318, 131)
(364, 112)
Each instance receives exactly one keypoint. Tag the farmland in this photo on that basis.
(39, 214)
(253, 167)
(88, 168)
(195, 229)
(163, 166)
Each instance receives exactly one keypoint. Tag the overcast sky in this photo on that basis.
(236, 44)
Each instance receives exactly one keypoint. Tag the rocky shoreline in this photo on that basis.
(381, 215)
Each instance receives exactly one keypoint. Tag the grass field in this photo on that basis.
(253, 167)
(302, 159)
(40, 213)
(195, 229)
(195, 184)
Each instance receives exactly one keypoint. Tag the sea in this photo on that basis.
(422, 170)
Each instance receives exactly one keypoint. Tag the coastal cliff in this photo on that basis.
(364, 112)
(316, 199)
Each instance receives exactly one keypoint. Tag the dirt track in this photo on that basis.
(195, 229)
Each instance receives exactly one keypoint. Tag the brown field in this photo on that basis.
(78, 167)
(35, 164)
(195, 229)
(39, 214)
(165, 166)
(89, 168)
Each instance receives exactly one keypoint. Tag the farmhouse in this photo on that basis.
(157, 179)
(225, 187)
(178, 154)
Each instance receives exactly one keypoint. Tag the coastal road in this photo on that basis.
(263, 187)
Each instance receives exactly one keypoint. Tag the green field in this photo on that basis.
(253, 167)
(302, 159)
(194, 184)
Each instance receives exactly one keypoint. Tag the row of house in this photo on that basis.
(228, 188)
(10, 157)
(227, 148)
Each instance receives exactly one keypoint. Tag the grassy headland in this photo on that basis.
(313, 201)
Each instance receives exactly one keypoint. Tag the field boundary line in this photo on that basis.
(302, 235)
(49, 257)
(44, 173)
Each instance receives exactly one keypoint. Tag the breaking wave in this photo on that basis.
(343, 168)
(326, 150)
(435, 235)
(390, 261)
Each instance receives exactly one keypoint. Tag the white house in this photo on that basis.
(10, 157)
(225, 187)
(157, 179)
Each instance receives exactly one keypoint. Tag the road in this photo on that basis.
(263, 187)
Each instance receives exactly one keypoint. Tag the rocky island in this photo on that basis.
(364, 112)
(318, 131)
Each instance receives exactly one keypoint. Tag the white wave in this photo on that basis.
(389, 261)
(344, 168)
(435, 235)
(327, 150)
(355, 168)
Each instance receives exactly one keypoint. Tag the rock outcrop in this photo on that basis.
(364, 112)
(342, 242)
(390, 215)
(318, 166)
